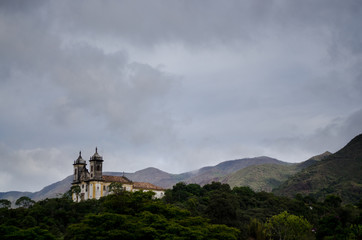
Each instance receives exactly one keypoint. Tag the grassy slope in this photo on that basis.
(339, 173)
(262, 177)
(220, 171)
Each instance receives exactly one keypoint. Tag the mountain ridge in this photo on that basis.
(153, 175)
(339, 173)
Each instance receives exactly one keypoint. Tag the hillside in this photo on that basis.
(266, 177)
(339, 173)
(311, 161)
(220, 171)
(158, 177)
(263, 177)
(154, 176)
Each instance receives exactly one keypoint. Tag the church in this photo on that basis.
(94, 185)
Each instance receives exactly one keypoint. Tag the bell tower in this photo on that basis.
(79, 167)
(96, 162)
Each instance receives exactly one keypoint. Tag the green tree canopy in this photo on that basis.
(4, 203)
(285, 226)
(116, 188)
(76, 190)
(24, 201)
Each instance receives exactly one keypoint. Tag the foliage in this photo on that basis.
(147, 225)
(75, 189)
(116, 188)
(285, 226)
(256, 230)
(24, 202)
(4, 203)
(188, 211)
(247, 210)
(13, 233)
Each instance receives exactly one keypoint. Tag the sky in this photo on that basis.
(176, 85)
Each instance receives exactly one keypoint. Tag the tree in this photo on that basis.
(67, 195)
(333, 201)
(217, 186)
(285, 226)
(116, 188)
(76, 190)
(222, 208)
(11, 232)
(4, 203)
(24, 202)
(243, 191)
(256, 230)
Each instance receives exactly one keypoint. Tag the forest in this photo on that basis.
(188, 211)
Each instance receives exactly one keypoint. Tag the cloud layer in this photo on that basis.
(175, 85)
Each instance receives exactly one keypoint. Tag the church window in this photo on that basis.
(91, 168)
(82, 185)
(98, 168)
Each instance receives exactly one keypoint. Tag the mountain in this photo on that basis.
(263, 177)
(158, 177)
(313, 160)
(266, 177)
(339, 173)
(50, 191)
(217, 173)
(54, 190)
(155, 176)
(201, 176)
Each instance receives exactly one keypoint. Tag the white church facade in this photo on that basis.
(94, 185)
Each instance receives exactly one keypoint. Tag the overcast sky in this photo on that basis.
(176, 85)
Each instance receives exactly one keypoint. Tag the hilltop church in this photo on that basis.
(94, 185)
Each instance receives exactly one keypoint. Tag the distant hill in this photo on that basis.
(263, 177)
(158, 177)
(50, 191)
(201, 176)
(339, 173)
(266, 177)
(311, 161)
(217, 173)
(155, 176)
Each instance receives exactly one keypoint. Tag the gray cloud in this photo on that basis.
(176, 85)
(331, 136)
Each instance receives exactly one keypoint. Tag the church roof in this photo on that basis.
(146, 185)
(80, 160)
(136, 185)
(120, 179)
(96, 156)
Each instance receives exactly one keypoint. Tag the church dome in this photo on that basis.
(96, 156)
(80, 160)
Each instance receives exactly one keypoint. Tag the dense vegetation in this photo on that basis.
(214, 211)
(245, 209)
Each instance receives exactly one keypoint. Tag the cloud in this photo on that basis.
(331, 136)
(30, 169)
(125, 96)
(176, 85)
